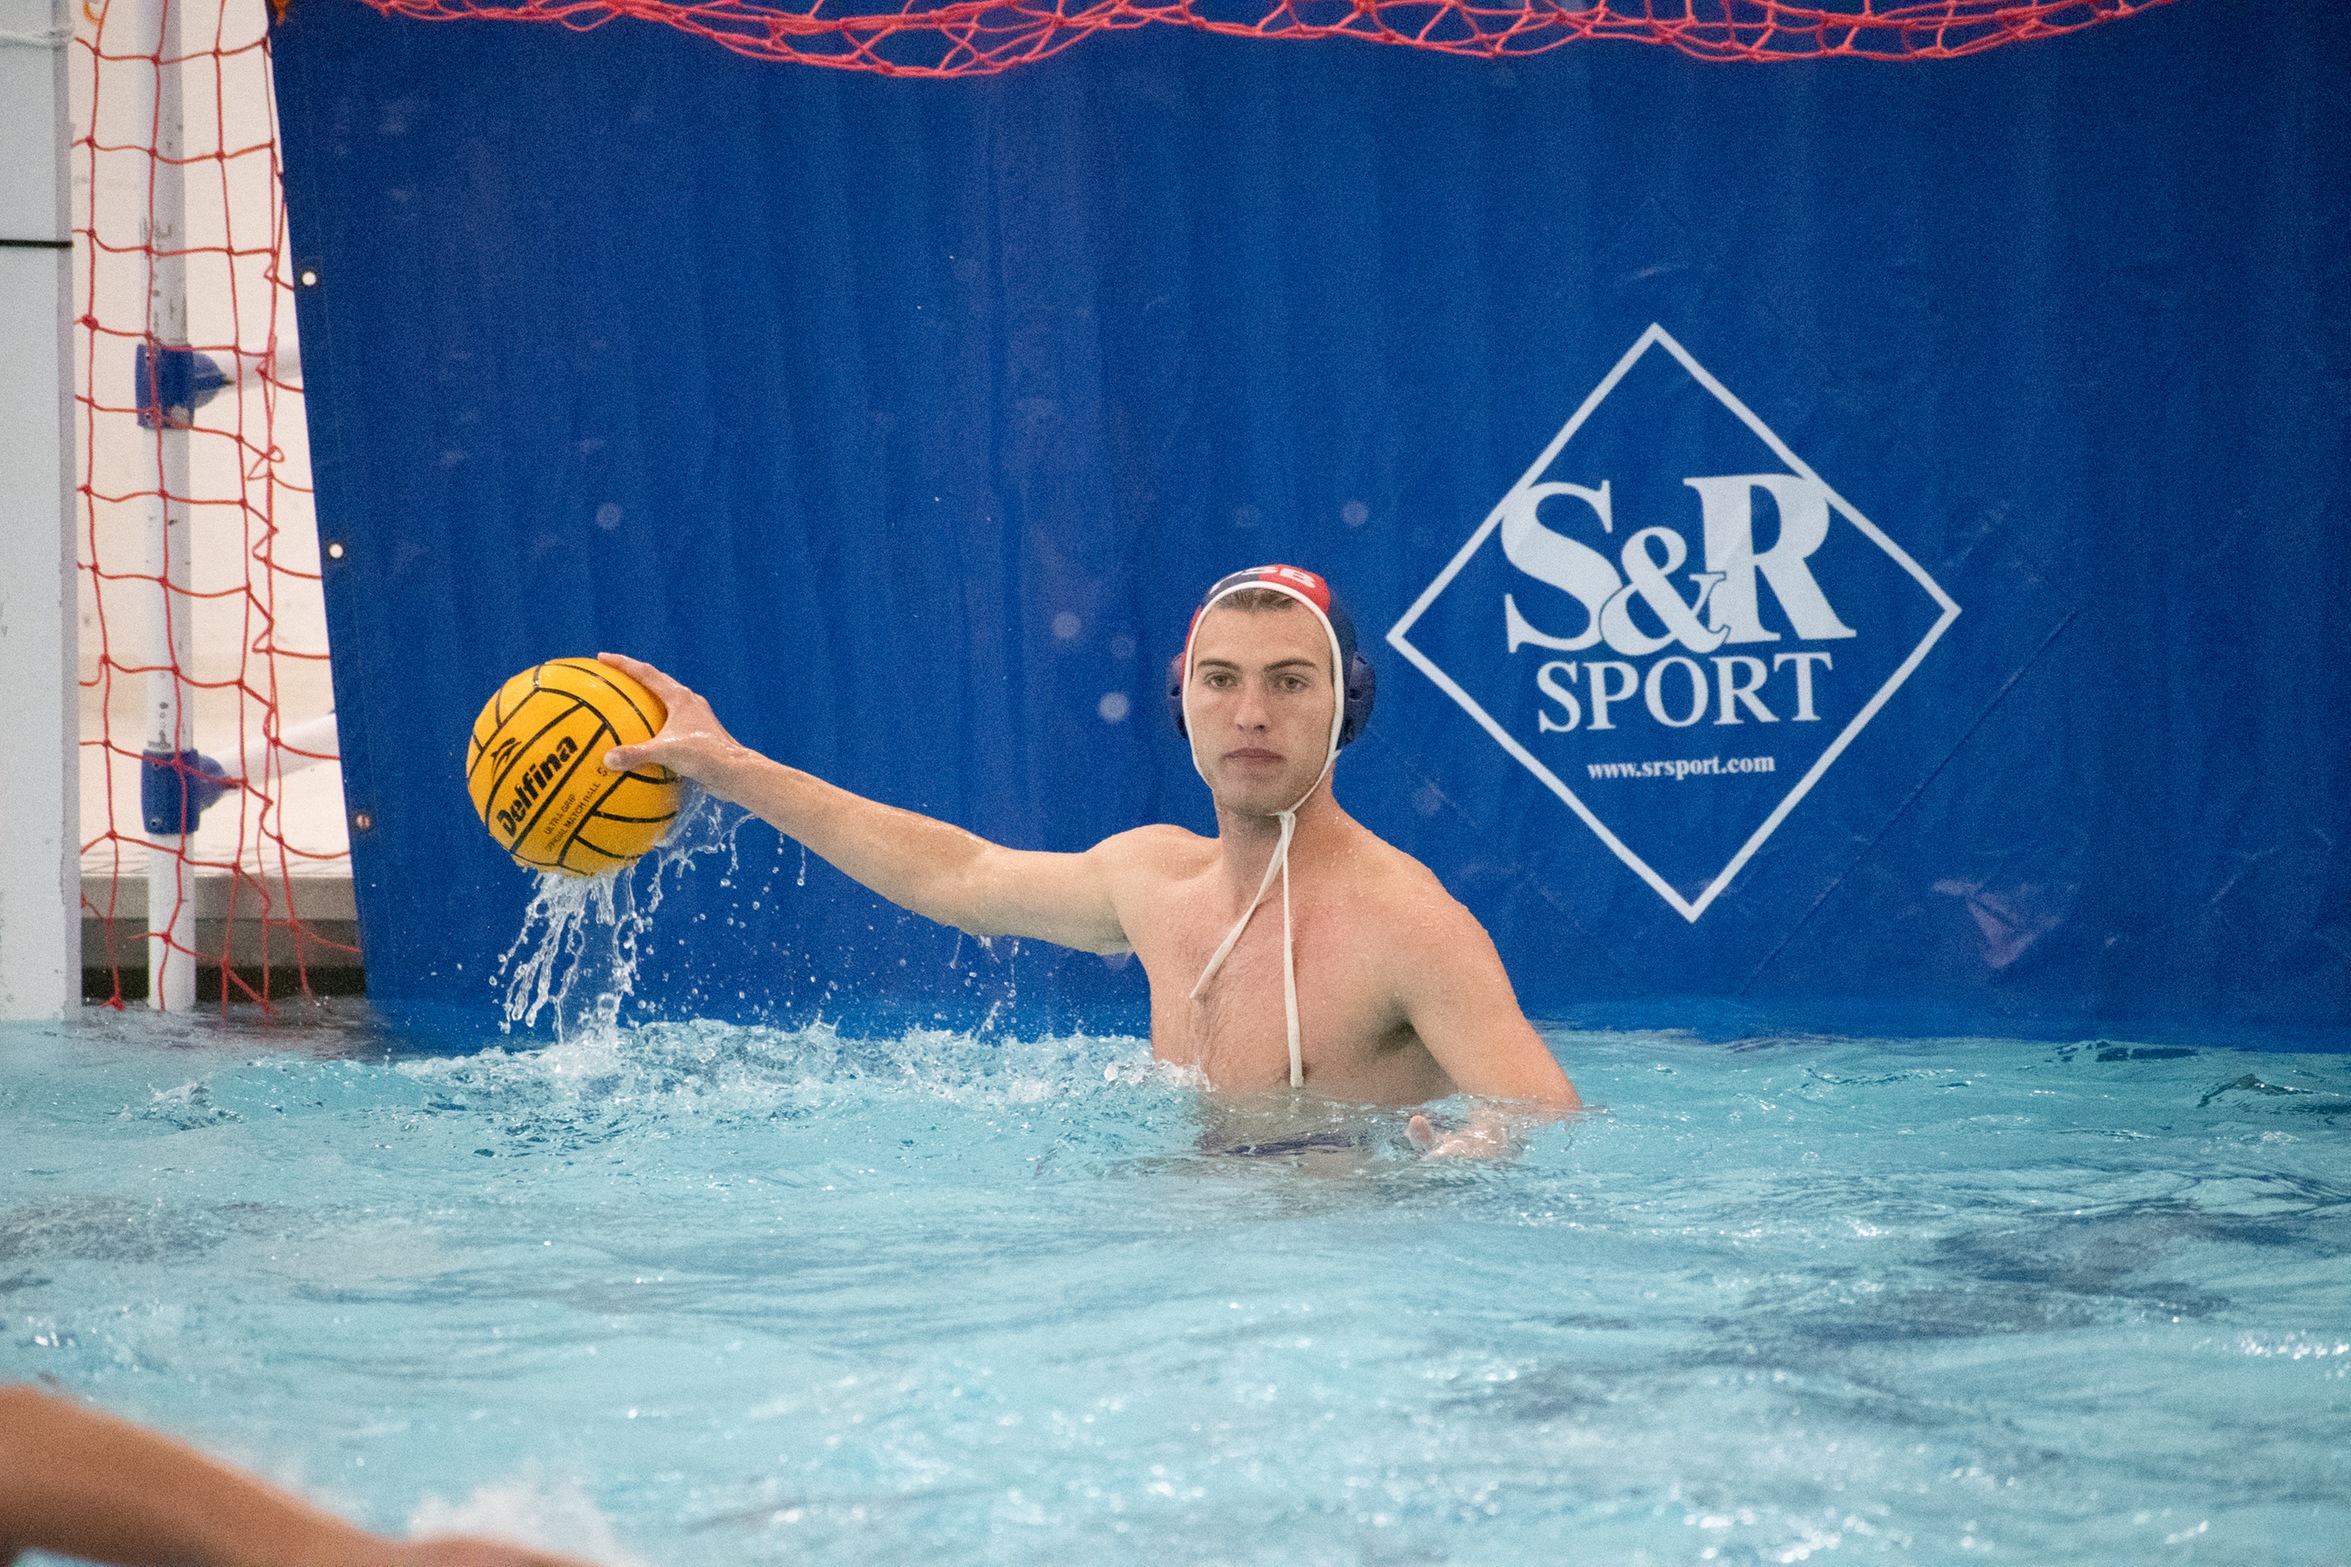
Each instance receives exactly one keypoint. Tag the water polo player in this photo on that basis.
(1294, 947)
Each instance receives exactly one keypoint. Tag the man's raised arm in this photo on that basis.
(938, 871)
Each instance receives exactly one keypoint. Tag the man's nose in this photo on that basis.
(1250, 710)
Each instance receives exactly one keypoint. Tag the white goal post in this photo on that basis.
(40, 859)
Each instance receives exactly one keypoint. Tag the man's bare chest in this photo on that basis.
(1235, 1030)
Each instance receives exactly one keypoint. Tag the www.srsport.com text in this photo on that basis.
(1683, 767)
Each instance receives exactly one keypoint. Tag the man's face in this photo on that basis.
(1260, 706)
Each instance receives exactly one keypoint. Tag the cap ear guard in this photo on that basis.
(1363, 688)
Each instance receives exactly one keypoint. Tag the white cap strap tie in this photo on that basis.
(1279, 863)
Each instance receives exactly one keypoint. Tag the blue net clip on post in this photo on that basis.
(173, 383)
(175, 787)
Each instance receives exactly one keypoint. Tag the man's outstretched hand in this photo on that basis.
(693, 743)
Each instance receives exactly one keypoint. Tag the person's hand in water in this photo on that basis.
(1481, 1139)
(1492, 1131)
(79, 1483)
(692, 743)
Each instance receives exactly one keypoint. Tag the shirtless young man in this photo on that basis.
(1350, 970)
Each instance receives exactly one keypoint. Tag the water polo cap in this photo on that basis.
(1349, 713)
(1360, 683)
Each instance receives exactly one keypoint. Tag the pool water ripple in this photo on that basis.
(703, 1294)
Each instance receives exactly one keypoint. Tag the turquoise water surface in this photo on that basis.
(709, 1294)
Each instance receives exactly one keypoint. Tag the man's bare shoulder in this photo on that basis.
(1388, 872)
(1417, 913)
(1161, 849)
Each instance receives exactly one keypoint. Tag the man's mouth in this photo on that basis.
(1253, 756)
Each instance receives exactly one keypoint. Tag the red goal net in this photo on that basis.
(976, 37)
(211, 807)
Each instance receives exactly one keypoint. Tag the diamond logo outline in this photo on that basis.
(1398, 637)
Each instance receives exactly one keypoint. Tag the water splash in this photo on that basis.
(701, 1070)
(576, 956)
(528, 1510)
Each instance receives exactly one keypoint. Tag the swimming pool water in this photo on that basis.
(708, 1294)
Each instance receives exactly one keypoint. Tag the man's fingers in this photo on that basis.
(646, 675)
(1423, 1135)
(623, 758)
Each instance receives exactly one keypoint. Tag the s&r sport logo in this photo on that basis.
(1674, 623)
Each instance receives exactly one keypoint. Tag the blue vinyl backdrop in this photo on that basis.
(1845, 544)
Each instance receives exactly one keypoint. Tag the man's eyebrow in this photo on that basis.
(1200, 663)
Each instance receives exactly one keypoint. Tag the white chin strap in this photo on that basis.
(1280, 863)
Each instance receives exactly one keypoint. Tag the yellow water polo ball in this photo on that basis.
(535, 768)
